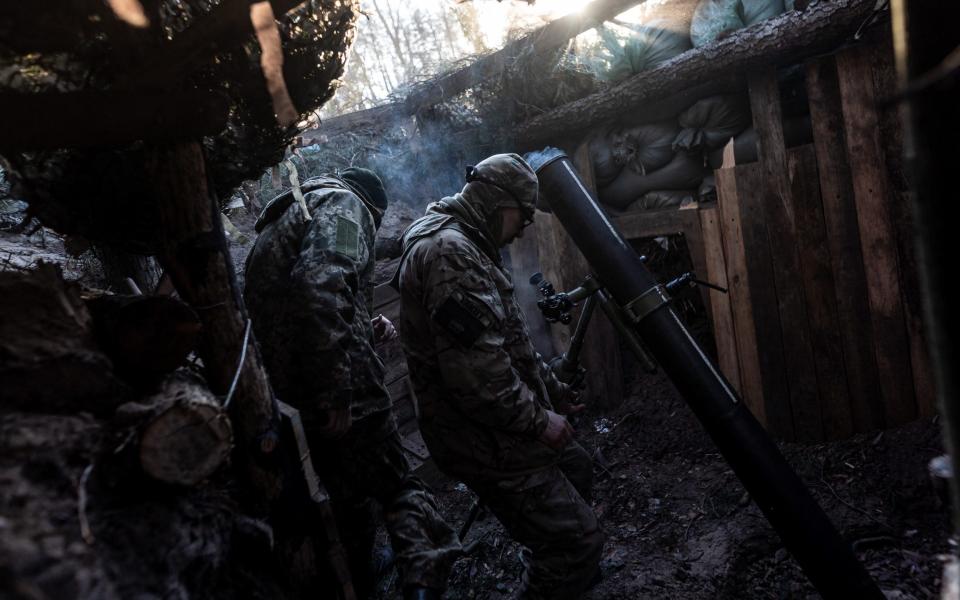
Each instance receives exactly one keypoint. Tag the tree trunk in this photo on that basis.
(791, 37)
(185, 435)
(196, 257)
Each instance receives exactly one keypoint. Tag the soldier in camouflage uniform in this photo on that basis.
(309, 292)
(489, 406)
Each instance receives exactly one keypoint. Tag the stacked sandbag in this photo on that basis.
(644, 148)
(649, 45)
(684, 172)
(797, 131)
(715, 19)
(605, 166)
(711, 122)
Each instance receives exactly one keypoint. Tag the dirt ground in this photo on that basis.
(680, 525)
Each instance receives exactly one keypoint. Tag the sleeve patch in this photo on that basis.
(464, 318)
(348, 238)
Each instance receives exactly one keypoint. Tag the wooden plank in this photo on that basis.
(650, 223)
(776, 204)
(764, 302)
(820, 294)
(550, 37)
(724, 334)
(693, 235)
(873, 198)
(843, 243)
(752, 379)
(601, 354)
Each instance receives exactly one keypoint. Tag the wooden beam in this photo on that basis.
(777, 206)
(91, 119)
(791, 37)
(820, 294)
(736, 235)
(724, 334)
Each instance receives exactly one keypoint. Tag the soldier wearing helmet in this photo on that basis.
(490, 408)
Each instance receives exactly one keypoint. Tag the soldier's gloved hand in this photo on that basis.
(338, 423)
(383, 329)
(558, 432)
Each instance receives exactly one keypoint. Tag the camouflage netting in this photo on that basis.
(82, 46)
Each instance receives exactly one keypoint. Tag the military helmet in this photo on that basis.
(512, 175)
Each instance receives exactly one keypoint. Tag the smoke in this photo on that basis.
(541, 157)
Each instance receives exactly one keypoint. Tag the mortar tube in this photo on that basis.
(806, 531)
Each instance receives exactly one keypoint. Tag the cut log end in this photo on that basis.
(189, 435)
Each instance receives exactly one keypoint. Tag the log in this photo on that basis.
(184, 433)
(49, 359)
(788, 38)
(195, 255)
(548, 38)
(147, 337)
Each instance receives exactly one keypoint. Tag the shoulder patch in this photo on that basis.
(463, 317)
(348, 238)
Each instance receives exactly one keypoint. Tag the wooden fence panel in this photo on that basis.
(843, 243)
(873, 198)
(818, 285)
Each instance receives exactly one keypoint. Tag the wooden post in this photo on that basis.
(601, 350)
(724, 334)
(843, 243)
(757, 378)
(873, 198)
(195, 255)
(819, 290)
(779, 215)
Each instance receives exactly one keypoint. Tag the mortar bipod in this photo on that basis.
(556, 306)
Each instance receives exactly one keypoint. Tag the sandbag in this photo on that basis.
(754, 11)
(650, 45)
(684, 172)
(797, 131)
(605, 167)
(663, 199)
(644, 148)
(713, 19)
(711, 122)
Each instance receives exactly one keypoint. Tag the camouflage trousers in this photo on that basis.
(368, 464)
(548, 511)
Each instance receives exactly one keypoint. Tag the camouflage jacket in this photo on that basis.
(309, 293)
(482, 389)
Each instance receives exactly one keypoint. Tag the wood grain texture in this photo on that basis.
(843, 244)
(873, 197)
(777, 206)
(724, 332)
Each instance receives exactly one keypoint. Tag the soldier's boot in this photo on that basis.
(421, 593)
